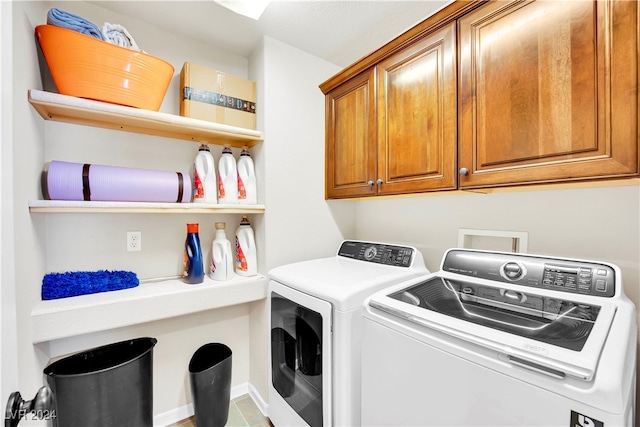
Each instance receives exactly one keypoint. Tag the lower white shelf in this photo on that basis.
(67, 317)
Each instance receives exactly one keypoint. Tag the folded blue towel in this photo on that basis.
(70, 284)
(74, 22)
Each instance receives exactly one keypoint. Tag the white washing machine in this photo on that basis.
(498, 339)
(315, 318)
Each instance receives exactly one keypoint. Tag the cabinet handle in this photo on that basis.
(370, 183)
(464, 171)
(380, 181)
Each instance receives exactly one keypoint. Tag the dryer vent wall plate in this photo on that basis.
(495, 240)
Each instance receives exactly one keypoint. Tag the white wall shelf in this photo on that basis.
(152, 301)
(65, 206)
(69, 109)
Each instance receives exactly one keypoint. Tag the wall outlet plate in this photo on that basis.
(134, 241)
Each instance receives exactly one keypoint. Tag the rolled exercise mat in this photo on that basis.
(77, 181)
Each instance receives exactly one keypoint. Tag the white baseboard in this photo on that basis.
(171, 417)
(186, 411)
(258, 400)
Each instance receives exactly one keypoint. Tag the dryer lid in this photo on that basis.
(345, 283)
(358, 270)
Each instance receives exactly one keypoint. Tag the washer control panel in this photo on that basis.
(564, 275)
(399, 256)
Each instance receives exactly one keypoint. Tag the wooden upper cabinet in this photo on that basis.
(548, 91)
(350, 128)
(392, 128)
(417, 116)
(487, 94)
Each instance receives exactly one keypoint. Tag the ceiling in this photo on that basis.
(339, 31)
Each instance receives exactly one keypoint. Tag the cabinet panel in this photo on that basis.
(350, 138)
(548, 92)
(417, 116)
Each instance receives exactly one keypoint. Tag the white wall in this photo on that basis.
(589, 223)
(49, 243)
(298, 223)
(8, 338)
(27, 155)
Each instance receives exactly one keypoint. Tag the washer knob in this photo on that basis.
(512, 270)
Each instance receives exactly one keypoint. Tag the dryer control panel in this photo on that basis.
(399, 256)
(564, 275)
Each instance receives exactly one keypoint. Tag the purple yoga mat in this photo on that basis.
(77, 181)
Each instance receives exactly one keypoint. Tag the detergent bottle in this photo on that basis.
(193, 267)
(227, 177)
(204, 177)
(221, 255)
(246, 261)
(247, 191)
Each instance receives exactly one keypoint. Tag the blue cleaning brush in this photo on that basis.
(70, 284)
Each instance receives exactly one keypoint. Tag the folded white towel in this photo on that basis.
(118, 35)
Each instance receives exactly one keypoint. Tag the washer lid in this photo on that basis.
(342, 281)
(565, 341)
(561, 332)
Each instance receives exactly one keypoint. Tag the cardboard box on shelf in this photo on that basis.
(212, 95)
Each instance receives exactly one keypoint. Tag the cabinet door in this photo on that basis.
(417, 116)
(351, 138)
(548, 91)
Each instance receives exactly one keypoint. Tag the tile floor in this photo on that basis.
(243, 412)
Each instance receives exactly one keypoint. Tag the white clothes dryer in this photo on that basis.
(501, 339)
(315, 319)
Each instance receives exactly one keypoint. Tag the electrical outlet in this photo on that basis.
(134, 241)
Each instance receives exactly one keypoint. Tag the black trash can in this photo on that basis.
(105, 386)
(210, 375)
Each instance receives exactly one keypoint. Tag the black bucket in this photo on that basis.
(105, 386)
(210, 375)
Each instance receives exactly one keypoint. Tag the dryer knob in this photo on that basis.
(370, 253)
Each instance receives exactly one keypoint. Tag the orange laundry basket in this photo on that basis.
(86, 67)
